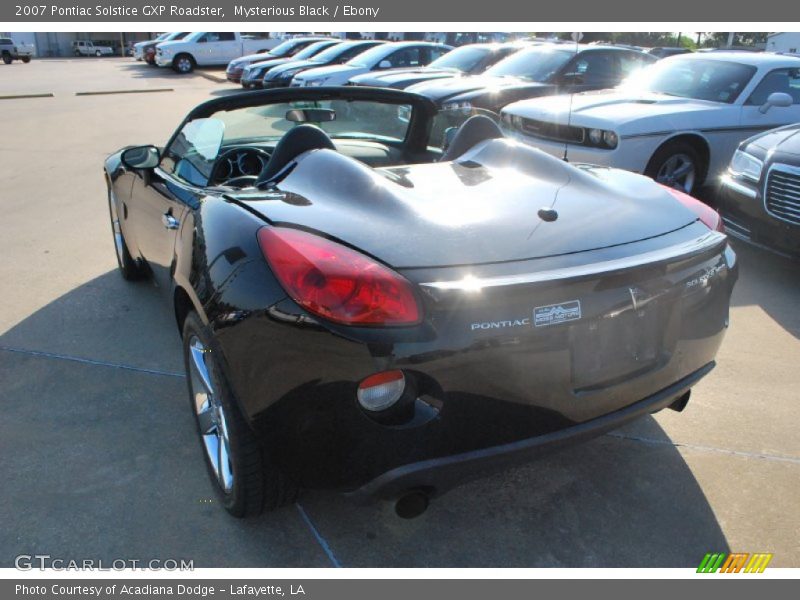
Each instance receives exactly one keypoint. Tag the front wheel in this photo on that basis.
(183, 64)
(7, 59)
(242, 475)
(677, 165)
(128, 267)
(26, 59)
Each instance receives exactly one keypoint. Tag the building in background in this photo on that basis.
(784, 41)
(60, 43)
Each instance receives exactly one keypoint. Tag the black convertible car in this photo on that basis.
(537, 71)
(367, 311)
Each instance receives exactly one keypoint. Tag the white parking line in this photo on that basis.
(321, 540)
(90, 361)
(740, 453)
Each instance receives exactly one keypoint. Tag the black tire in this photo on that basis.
(7, 59)
(682, 151)
(257, 485)
(183, 64)
(26, 59)
(128, 267)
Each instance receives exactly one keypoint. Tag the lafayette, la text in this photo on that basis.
(149, 589)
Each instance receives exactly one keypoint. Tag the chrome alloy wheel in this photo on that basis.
(184, 64)
(119, 243)
(678, 172)
(210, 413)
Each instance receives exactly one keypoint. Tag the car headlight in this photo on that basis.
(601, 138)
(286, 74)
(610, 139)
(315, 82)
(746, 165)
(462, 105)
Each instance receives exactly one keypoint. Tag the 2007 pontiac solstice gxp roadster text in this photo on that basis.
(363, 309)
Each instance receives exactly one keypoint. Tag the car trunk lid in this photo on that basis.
(484, 208)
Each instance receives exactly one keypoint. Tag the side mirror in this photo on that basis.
(779, 99)
(385, 64)
(141, 157)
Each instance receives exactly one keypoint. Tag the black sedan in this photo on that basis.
(761, 191)
(538, 71)
(336, 55)
(364, 311)
(466, 60)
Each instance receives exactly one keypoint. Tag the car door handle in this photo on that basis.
(169, 221)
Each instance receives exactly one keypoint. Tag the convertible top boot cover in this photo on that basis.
(482, 208)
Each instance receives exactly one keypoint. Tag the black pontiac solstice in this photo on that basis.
(375, 301)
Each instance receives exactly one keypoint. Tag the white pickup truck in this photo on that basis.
(89, 48)
(11, 51)
(202, 49)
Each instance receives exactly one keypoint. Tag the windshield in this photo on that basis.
(370, 57)
(311, 50)
(463, 59)
(332, 53)
(714, 80)
(178, 35)
(536, 64)
(357, 119)
(285, 48)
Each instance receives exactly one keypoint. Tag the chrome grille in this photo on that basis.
(782, 197)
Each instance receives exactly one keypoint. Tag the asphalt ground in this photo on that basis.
(99, 456)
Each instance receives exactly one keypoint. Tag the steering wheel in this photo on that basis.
(238, 167)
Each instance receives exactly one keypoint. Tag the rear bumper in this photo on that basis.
(476, 389)
(438, 475)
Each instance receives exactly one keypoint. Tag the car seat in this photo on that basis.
(474, 130)
(293, 143)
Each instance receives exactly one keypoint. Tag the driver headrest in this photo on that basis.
(293, 143)
(477, 128)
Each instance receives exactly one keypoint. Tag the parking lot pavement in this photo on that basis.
(99, 455)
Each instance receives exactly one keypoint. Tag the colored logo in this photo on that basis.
(740, 562)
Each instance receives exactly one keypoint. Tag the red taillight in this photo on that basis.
(705, 213)
(335, 282)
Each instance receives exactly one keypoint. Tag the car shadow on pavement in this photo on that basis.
(771, 282)
(106, 464)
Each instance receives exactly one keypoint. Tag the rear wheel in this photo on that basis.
(26, 59)
(128, 267)
(7, 59)
(245, 480)
(677, 165)
(183, 64)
